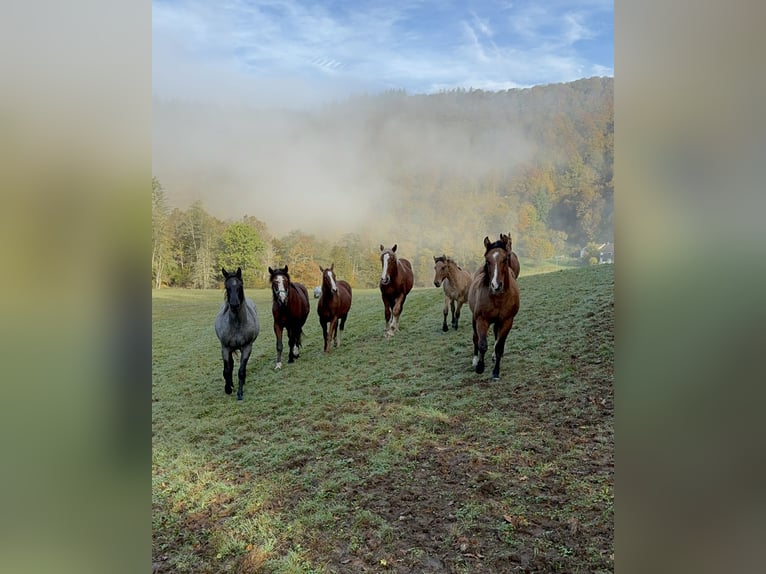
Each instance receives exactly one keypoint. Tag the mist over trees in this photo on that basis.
(433, 173)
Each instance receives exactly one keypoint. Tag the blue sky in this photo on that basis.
(292, 52)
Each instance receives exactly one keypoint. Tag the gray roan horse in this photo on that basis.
(494, 300)
(290, 308)
(456, 282)
(333, 306)
(237, 328)
(396, 281)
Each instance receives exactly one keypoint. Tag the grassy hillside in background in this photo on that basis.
(389, 455)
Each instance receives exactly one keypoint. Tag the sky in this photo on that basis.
(294, 53)
(220, 68)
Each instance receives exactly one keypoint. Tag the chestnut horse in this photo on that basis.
(515, 265)
(396, 281)
(290, 308)
(237, 327)
(456, 281)
(494, 300)
(333, 306)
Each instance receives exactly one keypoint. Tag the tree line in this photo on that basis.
(557, 199)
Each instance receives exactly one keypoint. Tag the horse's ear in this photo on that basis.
(285, 269)
(225, 273)
(435, 259)
(271, 271)
(381, 247)
(239, 272)
(486, 241)
(321, 269)
(394, 248)
(332, 267)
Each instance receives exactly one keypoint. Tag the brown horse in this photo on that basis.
(290, 308)
(494, 300)
(456, 281)
(396, 281)
(333, 306)
(515, 265)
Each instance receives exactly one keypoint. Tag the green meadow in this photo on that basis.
(389, 455)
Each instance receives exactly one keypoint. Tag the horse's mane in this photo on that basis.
(446, 259)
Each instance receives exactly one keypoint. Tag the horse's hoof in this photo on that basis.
(495, 378)
(445, 328)
(239, 396)
(480, 368)
(290, 360)
(227, 389)
(279, 366)
(475, 361)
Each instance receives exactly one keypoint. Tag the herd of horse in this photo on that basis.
(492, 294)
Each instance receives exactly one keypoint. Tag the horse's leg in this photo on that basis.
(482, 327)
(389, 320)
(323, 322)
(456, 315)
(502, 335)
(228, 369)
(452, 309)
(342, 326)
(475, 361)
(244, 357)
(398, 306)
(334, 331)
(291, 356)
(278, 333)
(446, 307)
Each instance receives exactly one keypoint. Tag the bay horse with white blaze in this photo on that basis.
(396, 281)
(290, 308)
(333, 306)
(515, 265)
(456, 282)
(494, 300)
(237, 327)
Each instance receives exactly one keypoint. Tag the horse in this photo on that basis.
(290, 308)
(456, 282)
(237, 327)
(494, 300)
(515, 265)
(396, 281)
(333, 306)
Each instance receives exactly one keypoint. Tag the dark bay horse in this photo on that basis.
(333, 306)
(396, 281)
(494, 300)
(237, 327)
(515, 265)
(456, 282)
(290, 308)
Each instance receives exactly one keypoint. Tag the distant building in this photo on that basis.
(605, 253)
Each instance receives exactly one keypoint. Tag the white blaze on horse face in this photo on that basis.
(281, 291)
(383, 275)
(494, 283)
(332, 281)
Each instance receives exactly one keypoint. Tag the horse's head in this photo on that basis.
(440, 269)
(388, 260)
(234, 286)
(328, 278)
(280, 283)
(497, 259)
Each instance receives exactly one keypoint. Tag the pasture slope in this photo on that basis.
(389, 455)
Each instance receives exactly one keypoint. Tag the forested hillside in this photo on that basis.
(433, 173)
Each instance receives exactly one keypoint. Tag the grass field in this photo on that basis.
(389, 455)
